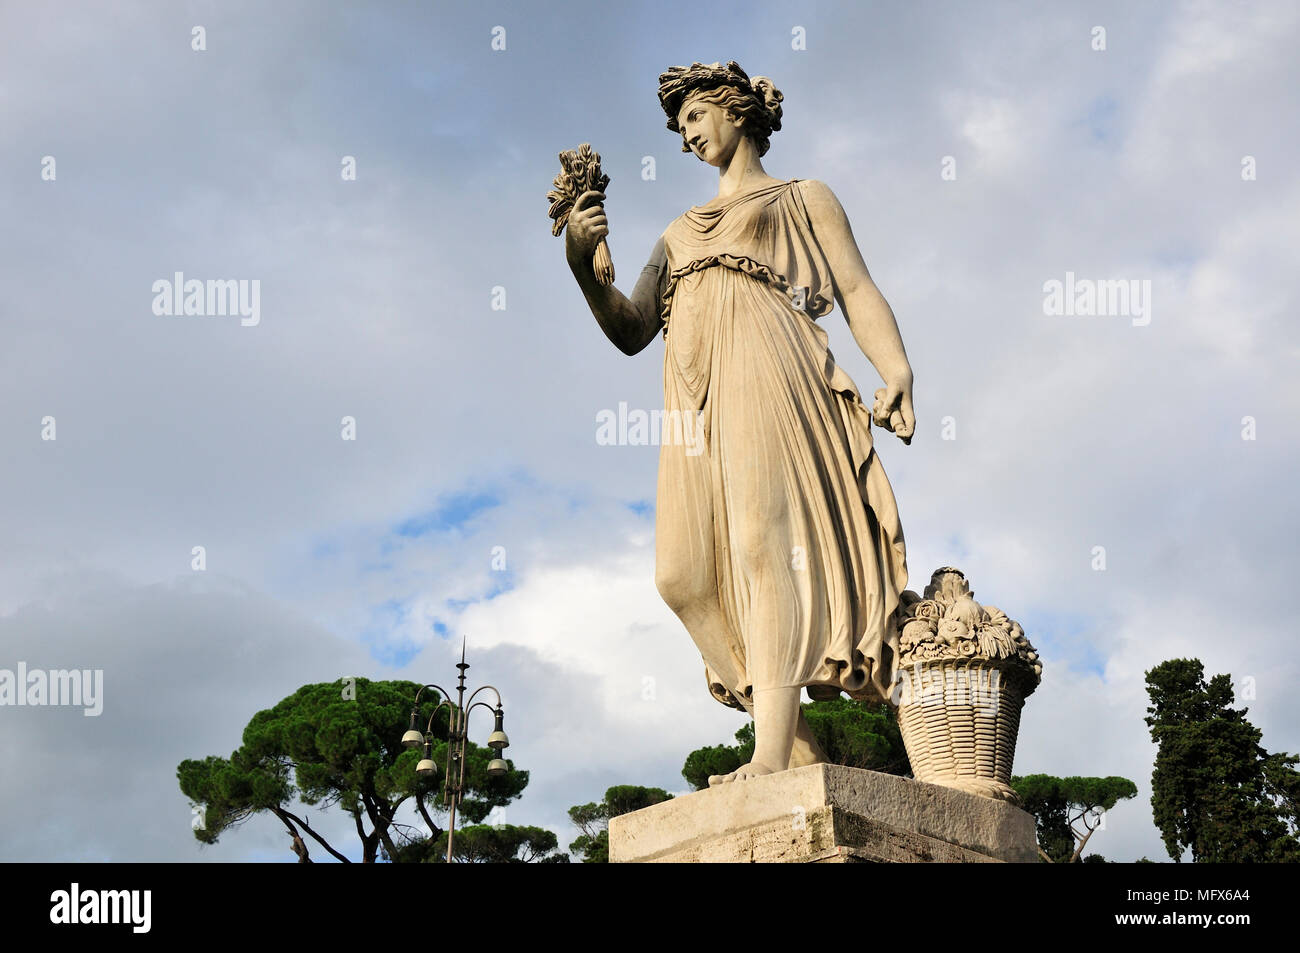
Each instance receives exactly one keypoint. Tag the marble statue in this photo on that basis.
(779, 546)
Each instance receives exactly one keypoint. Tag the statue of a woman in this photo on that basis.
(779, 546)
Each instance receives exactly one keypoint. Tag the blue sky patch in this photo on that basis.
(1101, 119)
(1065, 637)
(452, 513)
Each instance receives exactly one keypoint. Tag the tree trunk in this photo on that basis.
(434, 830)
(380, 821)
(298, 847)
(320, 840)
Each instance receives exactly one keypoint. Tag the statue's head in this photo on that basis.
(713, 106)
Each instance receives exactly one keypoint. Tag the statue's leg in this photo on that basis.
(776, 717)
(686, 571)
(806, 750)
(803, 747)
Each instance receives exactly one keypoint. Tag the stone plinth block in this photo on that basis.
(825, 813)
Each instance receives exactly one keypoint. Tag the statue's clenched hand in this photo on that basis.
(893, 409)
(587, 226)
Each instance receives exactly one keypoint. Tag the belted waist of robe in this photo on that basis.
(815, 305)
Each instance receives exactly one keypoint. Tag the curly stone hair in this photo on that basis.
(756, 102)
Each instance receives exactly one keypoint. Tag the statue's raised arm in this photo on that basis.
(632, 323)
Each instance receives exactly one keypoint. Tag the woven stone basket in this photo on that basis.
(965, 671)
(960, 719)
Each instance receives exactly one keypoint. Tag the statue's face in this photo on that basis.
(710, 131)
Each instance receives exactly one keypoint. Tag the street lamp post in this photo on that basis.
(453, 787)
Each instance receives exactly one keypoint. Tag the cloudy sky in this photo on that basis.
(127, 156)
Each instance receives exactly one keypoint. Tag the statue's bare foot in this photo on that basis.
(743, 773)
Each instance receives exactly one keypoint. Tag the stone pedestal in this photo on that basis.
(825, 814)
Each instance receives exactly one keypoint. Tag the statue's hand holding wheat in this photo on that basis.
(576, 199)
